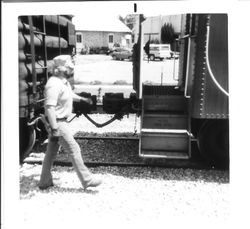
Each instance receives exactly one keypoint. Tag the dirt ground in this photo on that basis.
(99, 74)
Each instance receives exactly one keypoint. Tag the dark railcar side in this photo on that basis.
(40, 39)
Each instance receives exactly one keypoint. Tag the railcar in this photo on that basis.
(40, 39)
(196, 109)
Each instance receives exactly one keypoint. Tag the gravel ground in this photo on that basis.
(102, 151)
(127, 195)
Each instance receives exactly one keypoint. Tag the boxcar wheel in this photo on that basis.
(213, 142)
(27, 142)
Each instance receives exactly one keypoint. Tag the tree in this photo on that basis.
(121, 19)
(146, 48)
(167, 34)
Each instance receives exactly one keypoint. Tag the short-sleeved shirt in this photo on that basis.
(58, 93)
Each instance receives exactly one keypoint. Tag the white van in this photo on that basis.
(160, 51)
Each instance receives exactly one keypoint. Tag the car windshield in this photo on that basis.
(165, 48)
(124, 50)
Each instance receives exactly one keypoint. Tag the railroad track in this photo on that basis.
(118, 158)
(173, 164)
(106, 138)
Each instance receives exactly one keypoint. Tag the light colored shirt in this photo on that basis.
(58, 93)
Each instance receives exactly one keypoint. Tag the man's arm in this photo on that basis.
(51, 114)
(78, 98)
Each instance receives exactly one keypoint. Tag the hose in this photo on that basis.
(99, 125)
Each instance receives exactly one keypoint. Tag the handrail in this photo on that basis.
(187, 70)
(32, 49)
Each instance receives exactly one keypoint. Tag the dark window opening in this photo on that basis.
(111, 39)
(79, 38)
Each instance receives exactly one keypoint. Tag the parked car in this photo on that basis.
(121, 54)
(175, 55)
(159, 51)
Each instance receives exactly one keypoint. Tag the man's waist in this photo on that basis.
(57, 119)
(61, 119)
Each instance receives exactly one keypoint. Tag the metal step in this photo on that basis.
(163, 154)
(164, 121)
(164, 131)
(173, 144)
(176, 103)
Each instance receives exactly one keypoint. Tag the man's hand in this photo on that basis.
(54, 135)
(87, 100)
(83, 105)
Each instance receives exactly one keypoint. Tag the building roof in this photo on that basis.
(99, 23)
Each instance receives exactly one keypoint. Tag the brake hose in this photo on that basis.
(208, 65)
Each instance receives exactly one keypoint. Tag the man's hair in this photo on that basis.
(62, 64)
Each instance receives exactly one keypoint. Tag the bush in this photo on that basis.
(104, 50)
(99, 50)
(96, 82)
(120, 82)
(83, 51)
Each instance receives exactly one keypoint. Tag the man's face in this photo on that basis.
(69, 73)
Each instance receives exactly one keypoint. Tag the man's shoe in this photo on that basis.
(43, 187)
(94, 182)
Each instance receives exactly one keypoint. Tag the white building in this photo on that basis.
(101, 32)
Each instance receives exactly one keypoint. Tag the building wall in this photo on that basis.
(152, 26)
(101, 39)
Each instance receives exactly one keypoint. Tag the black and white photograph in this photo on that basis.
(124, 114)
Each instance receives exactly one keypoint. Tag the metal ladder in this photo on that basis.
(33, 56)
(165, 125)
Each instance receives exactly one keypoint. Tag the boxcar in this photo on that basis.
(196, 109)
(40, 39)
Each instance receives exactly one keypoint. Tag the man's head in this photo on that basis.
(63, 66)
